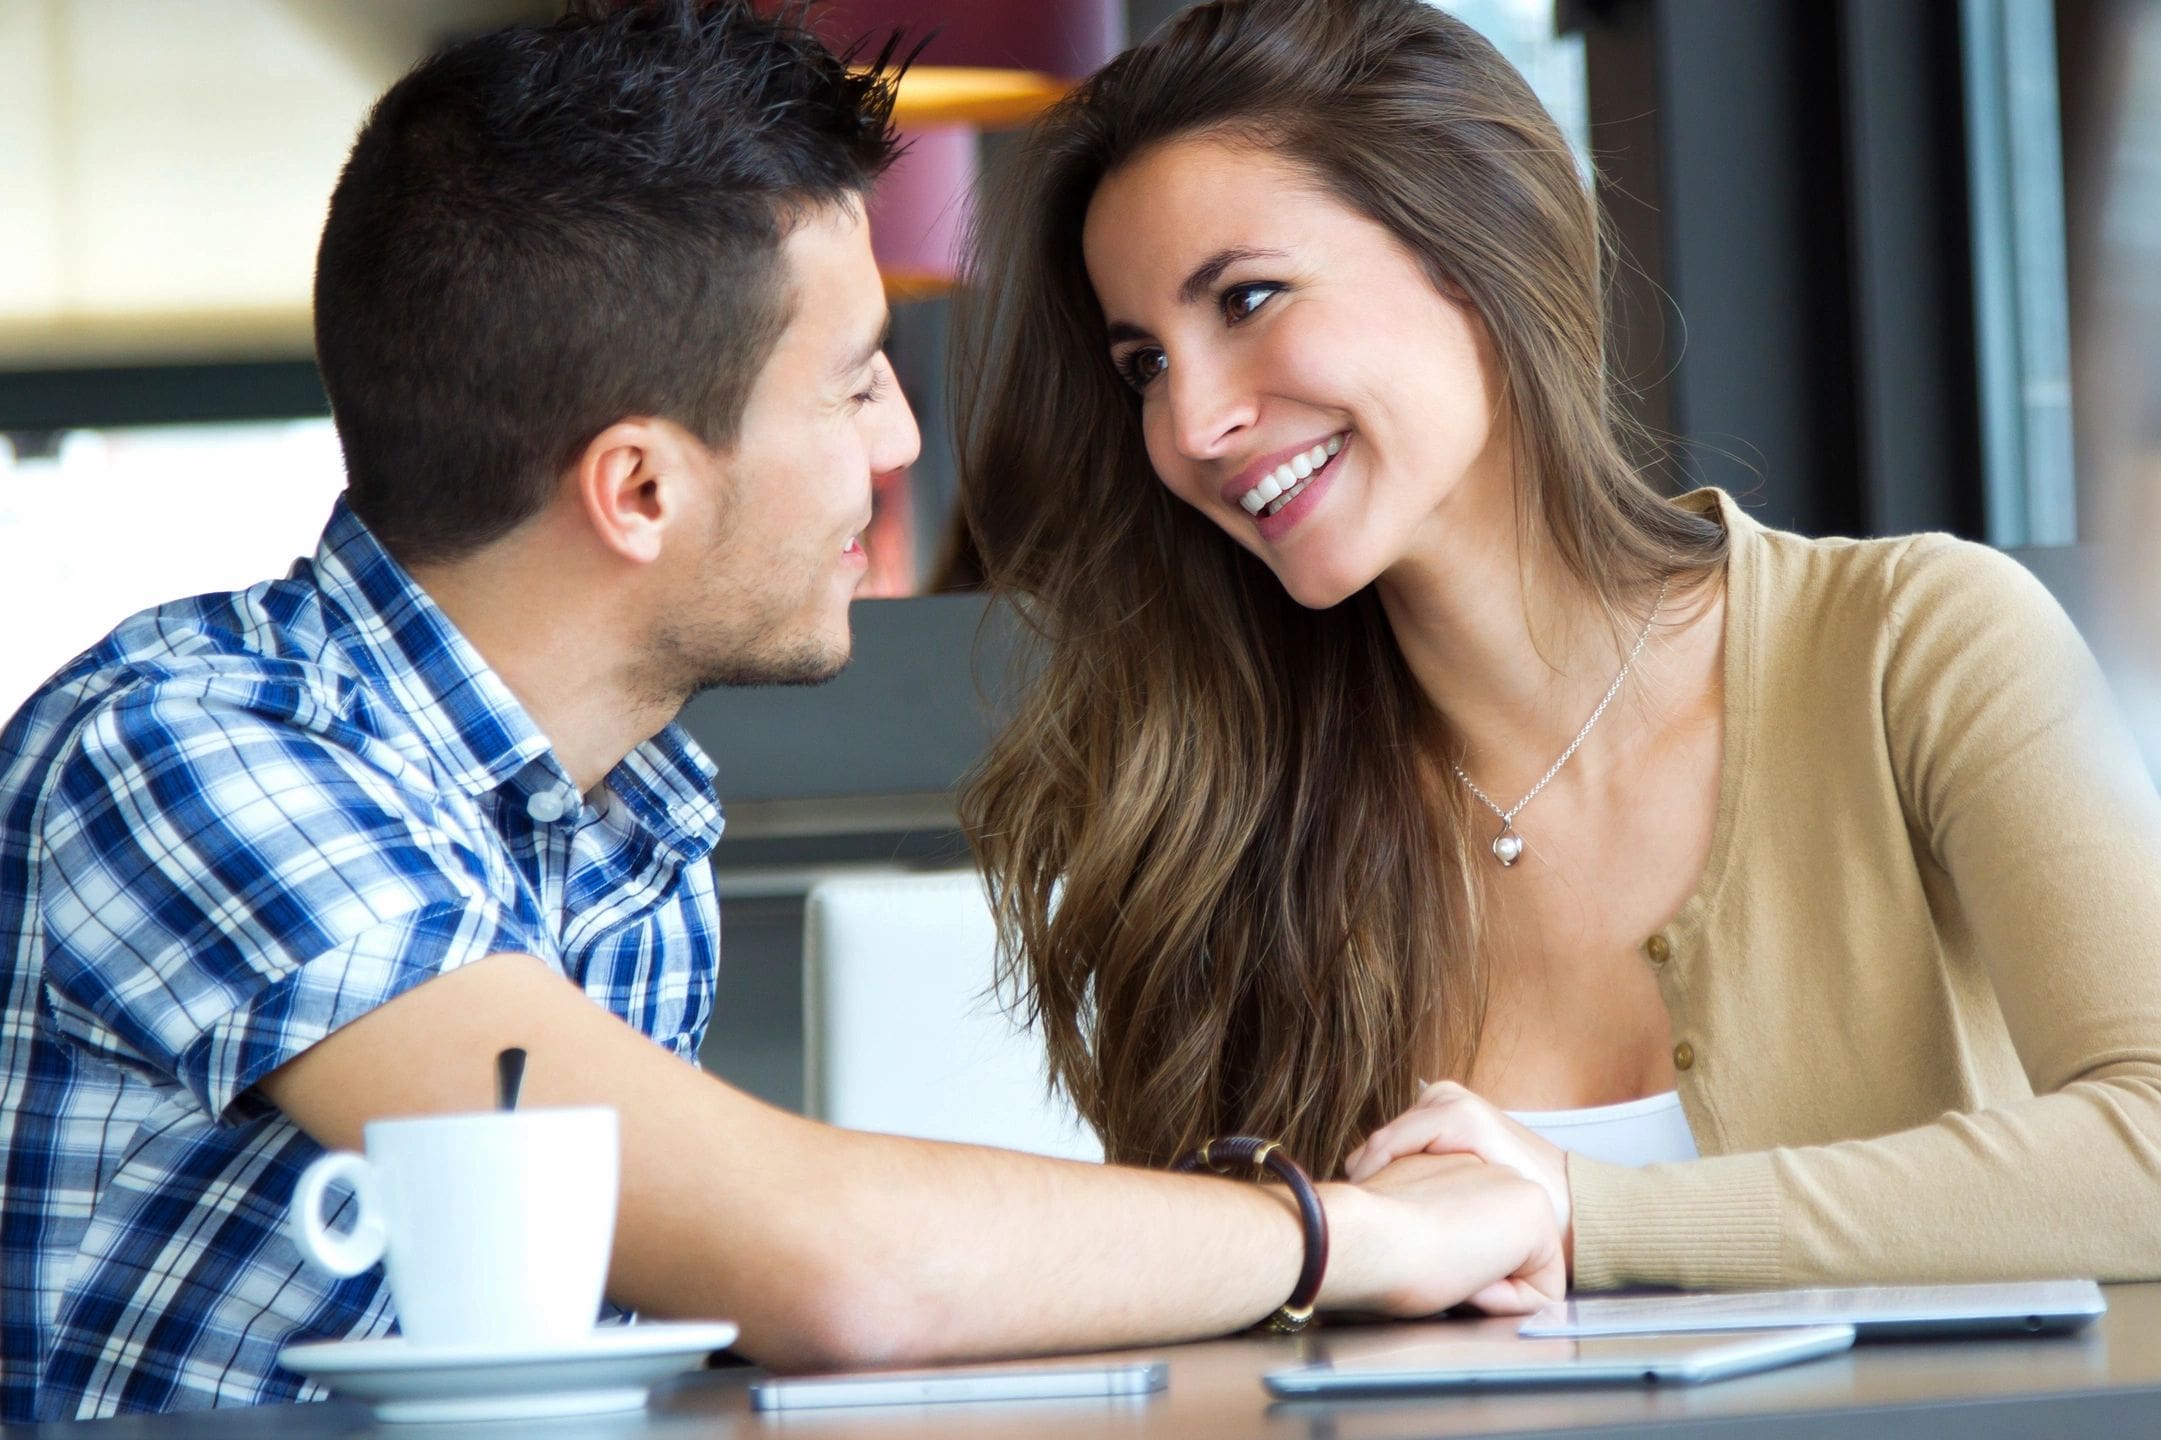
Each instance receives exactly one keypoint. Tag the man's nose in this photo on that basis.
(898, 440)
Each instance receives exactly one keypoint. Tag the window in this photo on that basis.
(98, 524)
(2108, 55)
(2022, 324)
(1523, 31)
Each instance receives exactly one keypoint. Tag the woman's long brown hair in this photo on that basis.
(1227, 885)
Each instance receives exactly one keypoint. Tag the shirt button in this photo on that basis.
(1684, 1055)
(1658, 949)
(546, 806)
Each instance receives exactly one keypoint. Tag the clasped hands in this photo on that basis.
(1491, 1155)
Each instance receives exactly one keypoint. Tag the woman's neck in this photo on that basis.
(1510, 648)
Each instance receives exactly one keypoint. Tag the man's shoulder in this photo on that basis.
(262, 657)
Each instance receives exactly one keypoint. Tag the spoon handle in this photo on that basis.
(509, 1075)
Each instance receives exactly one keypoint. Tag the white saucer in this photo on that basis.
(609, 1370)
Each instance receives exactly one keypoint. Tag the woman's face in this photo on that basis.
(1301, 380)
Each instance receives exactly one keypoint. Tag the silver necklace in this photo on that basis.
(1508, 845)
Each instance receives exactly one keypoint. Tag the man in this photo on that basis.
(602, 334)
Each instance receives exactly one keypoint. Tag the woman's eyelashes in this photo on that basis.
(1238, 302)
(1140, 366)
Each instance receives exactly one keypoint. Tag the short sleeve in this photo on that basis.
(224, 880)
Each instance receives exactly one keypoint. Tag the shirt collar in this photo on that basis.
(468, 717)
(668, 785)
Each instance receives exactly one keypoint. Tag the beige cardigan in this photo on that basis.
(1916, 997)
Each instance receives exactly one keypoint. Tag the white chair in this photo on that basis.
(902, 1032)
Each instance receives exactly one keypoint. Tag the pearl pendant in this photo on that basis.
(1507, 847)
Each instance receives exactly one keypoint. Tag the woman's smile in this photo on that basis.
(1290, 508)
(1267, 487)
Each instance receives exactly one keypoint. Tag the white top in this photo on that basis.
(1634, 1132)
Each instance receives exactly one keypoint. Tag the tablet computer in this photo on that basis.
(1876, 1311)
(1419, 1364)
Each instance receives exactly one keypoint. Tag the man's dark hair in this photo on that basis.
(544, 230)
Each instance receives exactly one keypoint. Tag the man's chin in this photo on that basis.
(808, 665)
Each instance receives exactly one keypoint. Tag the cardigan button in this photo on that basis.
(1658, 949)
(1684, 1055)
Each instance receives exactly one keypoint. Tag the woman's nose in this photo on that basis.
(1210, 407)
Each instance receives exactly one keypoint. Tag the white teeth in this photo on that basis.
(1281, 485)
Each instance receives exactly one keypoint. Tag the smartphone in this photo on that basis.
(1088, 1380)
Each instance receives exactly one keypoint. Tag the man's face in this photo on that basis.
(766, 603)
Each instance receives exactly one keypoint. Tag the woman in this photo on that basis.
(1388, 725)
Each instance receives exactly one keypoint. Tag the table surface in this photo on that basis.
(2105, 1381)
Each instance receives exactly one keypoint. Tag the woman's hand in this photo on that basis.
(1432, 1231)
(1450, 1120)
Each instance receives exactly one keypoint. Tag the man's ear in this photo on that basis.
(628, 483)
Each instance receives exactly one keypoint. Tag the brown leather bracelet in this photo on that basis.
(1235, 1154)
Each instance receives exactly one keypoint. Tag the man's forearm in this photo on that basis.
(826, 1245)
(838, 1247)
(894, 1250)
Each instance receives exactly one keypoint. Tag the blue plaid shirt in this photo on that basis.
(235, 825)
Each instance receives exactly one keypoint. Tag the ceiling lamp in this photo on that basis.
(986, 65)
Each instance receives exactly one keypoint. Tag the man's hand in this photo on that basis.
(1431, 1231)
(1450, 1120)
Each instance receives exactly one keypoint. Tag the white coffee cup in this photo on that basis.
(495, 1228)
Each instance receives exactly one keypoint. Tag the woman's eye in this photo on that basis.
(1240, 301)
(1140, 366)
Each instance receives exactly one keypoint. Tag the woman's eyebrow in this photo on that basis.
(1197, 285)
(1193, 288)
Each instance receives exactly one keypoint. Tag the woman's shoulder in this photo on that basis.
(1937, 640)
(1900, 583)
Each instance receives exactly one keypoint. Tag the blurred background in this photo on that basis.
(1887, 265)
